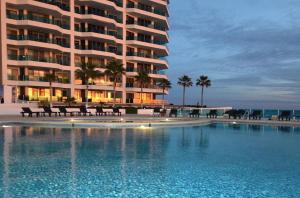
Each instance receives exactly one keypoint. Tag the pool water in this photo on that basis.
(217, 160)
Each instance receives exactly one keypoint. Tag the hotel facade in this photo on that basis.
(39, 37)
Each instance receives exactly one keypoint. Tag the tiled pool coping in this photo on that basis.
(129, 122)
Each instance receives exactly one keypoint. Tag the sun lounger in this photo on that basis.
(195, 113)
(49, 111)
(212, 114)
(117, 112)
(27, 110)
(287, 115)
(100, 112)
(84, 111)
(173, 112)
(256, 115)
(65, 112)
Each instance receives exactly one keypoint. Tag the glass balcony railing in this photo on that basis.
(147, 9)
(137, 85)
(39, 59)
(134, 38)
(37, 79)
(62, 6)
(152, 26)
(117, 2)
(38, 19)
(99, 31)
(38, 39)
(99, 48)
(99, 13)
(144, 55)
(160, 72)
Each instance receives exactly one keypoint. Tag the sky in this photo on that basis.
(250, 49)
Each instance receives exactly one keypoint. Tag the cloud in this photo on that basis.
(241, 47)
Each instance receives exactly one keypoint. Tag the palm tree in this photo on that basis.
(114, 69)
(164, 84)
(85, 73)
(185, 82)
(50, 77)
(203, 81)
(142, 78)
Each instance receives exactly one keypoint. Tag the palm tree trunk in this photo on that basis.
(50, 100)
(115, 84)
(202, 90)
(163, 104)
(183, 97)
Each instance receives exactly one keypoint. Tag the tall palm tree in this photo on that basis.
(85, 73)
(164, 84)
(142, 78)
(203, 81)
(50, 77)
(184, 81)
(114, 69)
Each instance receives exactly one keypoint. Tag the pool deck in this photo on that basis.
(129, 121)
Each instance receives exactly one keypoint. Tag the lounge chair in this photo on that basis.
(212, 114)
(100, 112)
(256, 114)
(173, 112)
(49, 111)
(287, 115)
(231, 113)
(27, 110)
(116, 111)
(84, 111)
(195, 113)
(64, 111)
(156, 112)
(240, 113)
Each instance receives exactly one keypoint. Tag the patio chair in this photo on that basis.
(256, 114)
(287, 115)
(84, 111)
(212, 114)
(240, 113)
(65, 112)
(156, 112)
(231, 113)
(49, 111)
(116, 111)
(27, 110)
(195, 113)
(100, 112)
(173, 112)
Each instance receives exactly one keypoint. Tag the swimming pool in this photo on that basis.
(216, 160)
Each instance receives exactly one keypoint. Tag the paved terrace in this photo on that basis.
(128, 121)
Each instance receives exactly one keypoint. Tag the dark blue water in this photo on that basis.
(205, 161)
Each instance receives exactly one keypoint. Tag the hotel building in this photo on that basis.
(39, 37)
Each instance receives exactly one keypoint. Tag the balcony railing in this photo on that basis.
(147, 9)
(152, 26)
(99, 48)
(143, 55)
(102, 14)
(160, 72)
(135, 38)
(62, 6)
(117, 2)
(38, 39)
(39, 59)
(38, 19)
(37, 79)
(137, 85)
(99, 31)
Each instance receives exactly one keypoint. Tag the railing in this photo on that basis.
(146, 71)
(38, 39)
(143, 55)
(62, 6)
(152, 10)
(39, 59)
(98, 48)
(37, 79)
(105, 32)
(117, 2)
(38, 19)
(153, 26)
(137, 85)
(135, 38)
(102, 14)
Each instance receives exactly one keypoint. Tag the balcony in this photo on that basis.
(101, 14)
(152, 26)
(39, 59)
(159, 72)
(62, 6)
(38, 39)
(104, 32)
(148, 9)
(99, 48)
(37, 79)
(38, 19)
(117, 2)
